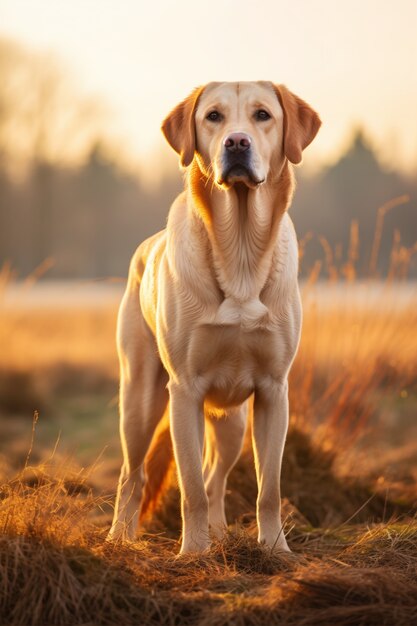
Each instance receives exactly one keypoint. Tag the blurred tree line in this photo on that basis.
(88, 218)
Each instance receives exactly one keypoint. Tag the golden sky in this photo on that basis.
(355, 61)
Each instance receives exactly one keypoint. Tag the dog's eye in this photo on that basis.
(262, 115)
(214, 116)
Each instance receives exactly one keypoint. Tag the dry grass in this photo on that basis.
(56, 568)
(44, 352)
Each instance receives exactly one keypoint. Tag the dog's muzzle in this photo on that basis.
(237, 160)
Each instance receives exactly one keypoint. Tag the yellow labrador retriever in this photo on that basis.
(211, 313)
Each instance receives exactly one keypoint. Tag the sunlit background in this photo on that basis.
(85, 86)
(355, 61)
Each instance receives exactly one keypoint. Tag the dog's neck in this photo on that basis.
(242, 226)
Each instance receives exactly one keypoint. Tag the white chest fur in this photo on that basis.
(227, 362)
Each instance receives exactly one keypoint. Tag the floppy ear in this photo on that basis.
(179, 127)
(301, 123)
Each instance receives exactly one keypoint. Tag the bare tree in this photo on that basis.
(44, 121)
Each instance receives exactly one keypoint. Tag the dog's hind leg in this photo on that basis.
(143, 399)
(223, 446)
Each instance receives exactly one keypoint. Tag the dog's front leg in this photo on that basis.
(187, 428)
(270, 423)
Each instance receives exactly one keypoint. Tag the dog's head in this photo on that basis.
(241, 132)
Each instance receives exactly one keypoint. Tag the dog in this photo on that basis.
(211, 314)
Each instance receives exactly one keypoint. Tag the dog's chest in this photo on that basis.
(229, 363)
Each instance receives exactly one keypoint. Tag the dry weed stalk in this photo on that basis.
(382, 211)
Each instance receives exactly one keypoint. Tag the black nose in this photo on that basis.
(237, 142)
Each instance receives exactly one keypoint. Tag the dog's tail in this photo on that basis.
(158, 464)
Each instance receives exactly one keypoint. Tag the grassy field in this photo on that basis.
(349, 480)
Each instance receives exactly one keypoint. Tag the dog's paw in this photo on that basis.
(277, 544)
(195, 546)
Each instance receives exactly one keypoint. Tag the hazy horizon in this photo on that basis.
(358, 68)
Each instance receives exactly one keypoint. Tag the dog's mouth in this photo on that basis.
(239, 173)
